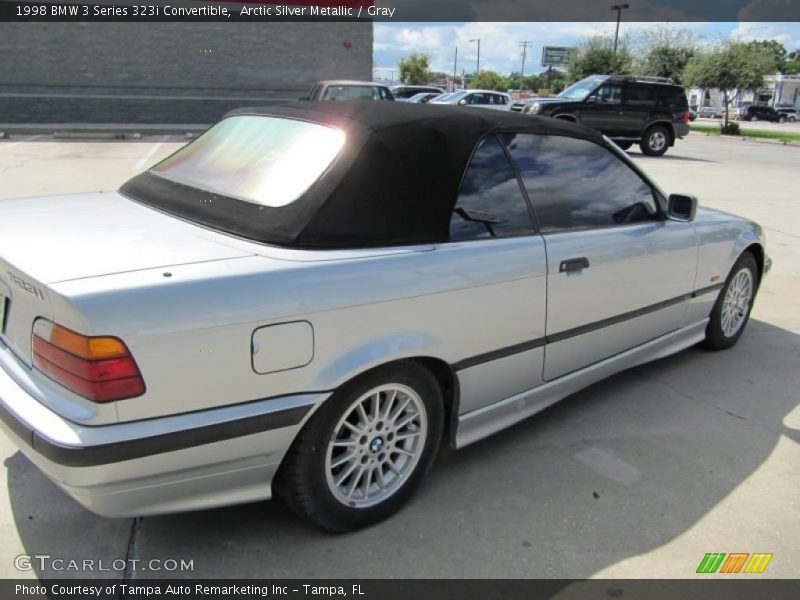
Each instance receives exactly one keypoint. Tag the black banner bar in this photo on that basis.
(398, 11)
(705, 587)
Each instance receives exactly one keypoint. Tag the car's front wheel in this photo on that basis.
(655, 141)
(364, 452)
(732, 309)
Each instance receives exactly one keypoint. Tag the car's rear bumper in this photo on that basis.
(681, 130)
(189, 461)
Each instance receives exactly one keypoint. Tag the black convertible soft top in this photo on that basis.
(395, 181)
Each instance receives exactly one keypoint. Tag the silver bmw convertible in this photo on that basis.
(312, 299)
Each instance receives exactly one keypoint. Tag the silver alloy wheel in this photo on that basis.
(657, 141)
(376, 445)
(737, 302)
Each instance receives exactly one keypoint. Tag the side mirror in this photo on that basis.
(591, 100)
(462, 102)
(681, 207)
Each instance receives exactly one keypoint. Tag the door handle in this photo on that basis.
(573, 264)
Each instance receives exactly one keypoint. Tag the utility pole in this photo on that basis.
(524, 53)
(455, 70)
(619, 8)
(478, 67)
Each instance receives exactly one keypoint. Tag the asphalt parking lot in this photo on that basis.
(638, 476)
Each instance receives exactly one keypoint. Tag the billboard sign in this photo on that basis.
(555, 56)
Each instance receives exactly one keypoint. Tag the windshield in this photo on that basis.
(264, 160)
(448, 98)
(580, 90)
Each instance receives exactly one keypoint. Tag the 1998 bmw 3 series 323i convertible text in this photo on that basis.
(311, 299)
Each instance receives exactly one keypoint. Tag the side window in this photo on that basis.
(478, 99)
(673, 96)
(640, 95)
(577, 184)
(490, 202)
(609, 94)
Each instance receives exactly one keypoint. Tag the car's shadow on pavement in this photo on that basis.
(615, 471)
(670, 157)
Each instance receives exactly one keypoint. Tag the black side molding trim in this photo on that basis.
(496, 354)
(589, 327)
(90, 456)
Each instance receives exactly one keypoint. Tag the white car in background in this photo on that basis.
(479, 98)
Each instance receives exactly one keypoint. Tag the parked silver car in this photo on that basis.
(710, 112)
(311, 299)
(343, 89)
(476, 98)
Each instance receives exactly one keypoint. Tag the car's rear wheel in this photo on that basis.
(655, 141)
(732, 308)
(754, 119)
(781, 119)
(364, 452)
(624, 145)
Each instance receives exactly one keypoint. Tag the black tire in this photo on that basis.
(753, 119)
(302, 481)
(716, 339)
(624, 145)
(781, 120)
(655, 141)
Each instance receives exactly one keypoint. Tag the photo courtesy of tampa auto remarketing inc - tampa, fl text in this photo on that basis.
(400, 299)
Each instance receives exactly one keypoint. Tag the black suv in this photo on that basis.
(652, 111)
(762, 113)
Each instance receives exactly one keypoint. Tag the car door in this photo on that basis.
(498, 261)
(638, 104)
(618, 274)
(603, 113)
(478, 99)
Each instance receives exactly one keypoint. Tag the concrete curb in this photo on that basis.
(744, 138)
(102, 130)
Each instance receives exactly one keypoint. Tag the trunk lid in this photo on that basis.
(60, 238)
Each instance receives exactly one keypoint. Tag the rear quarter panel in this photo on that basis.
(191, 332)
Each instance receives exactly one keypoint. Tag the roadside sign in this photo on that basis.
(555, 56)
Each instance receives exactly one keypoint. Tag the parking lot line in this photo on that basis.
(30, 138)
(140, 164)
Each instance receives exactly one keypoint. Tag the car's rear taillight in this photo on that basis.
(686, 116)
(98, 368)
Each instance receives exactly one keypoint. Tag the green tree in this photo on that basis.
(791, 65)
(727, 67)
(596, 55)
(774, 49)
(516, 81)
(414, 68)
(489, 80)
(666, 52)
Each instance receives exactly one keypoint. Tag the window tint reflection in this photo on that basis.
(491, 203)
(576, 184)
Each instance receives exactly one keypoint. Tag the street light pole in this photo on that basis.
(478, 67)
(619, 8)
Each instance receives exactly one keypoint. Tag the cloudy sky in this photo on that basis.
(500, 50)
